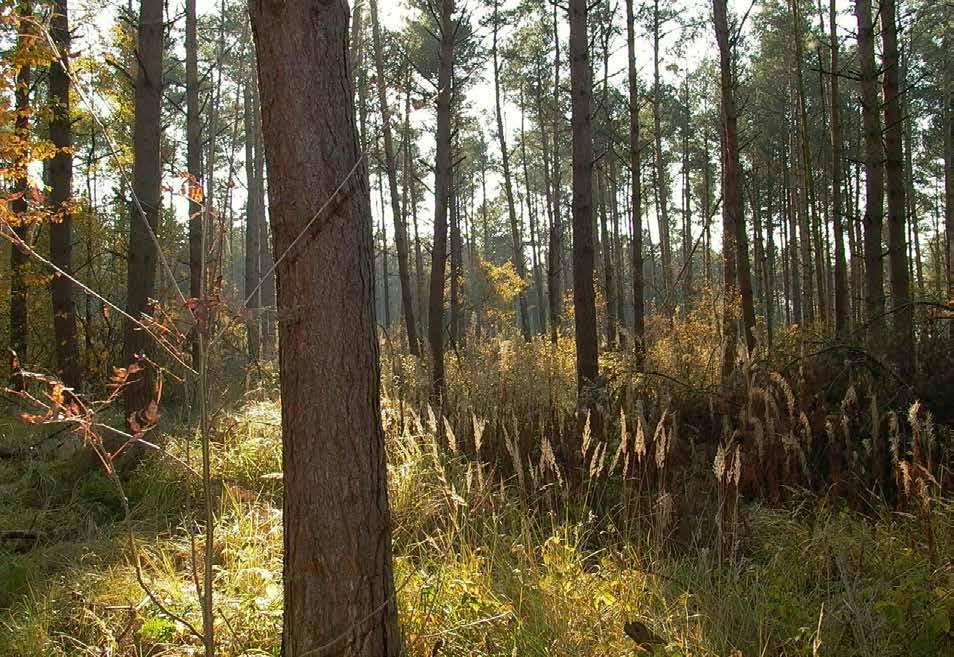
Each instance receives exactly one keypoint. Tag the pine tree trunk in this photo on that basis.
(144, 208)
(584, 298)
(947, 125)
(838, 215)
(338, 581)
(19, 259)
(737, 275)
(253, 230)
(662, 186)
(194, 162)
(609, 284)
(390, 162)
(515, 236)
(874, 173)
(61, 192)
(902, 310)
(555, 249)
(442, 176)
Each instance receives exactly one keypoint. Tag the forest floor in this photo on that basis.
(481, 567)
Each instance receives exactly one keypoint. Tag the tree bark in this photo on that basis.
(737, 277)
(61, 192)
(874, 173)
(662, 184)
(147, 196)
(902, 311)
(442, 175)
(194, 163)
(19, 259)
(254, 217)
(639, 322)
(390, 162)
(837, 164)
(515, 237)
(338, 581)
(555, 249)
(584, 298)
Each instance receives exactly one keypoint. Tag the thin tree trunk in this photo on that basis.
(515, 238)
(390, 162)
(841, 273)
(19, 259)
(662, 186)
(609, 285)
(635, 165)
(874, 172)
(194, 162)
(456, 256)
(555, 249)
(338, 582)
(795, 288)
(253, 230)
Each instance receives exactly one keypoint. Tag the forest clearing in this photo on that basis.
(489, 327)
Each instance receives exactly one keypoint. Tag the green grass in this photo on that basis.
(484, 567)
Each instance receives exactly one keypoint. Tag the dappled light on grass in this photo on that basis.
(482, 566)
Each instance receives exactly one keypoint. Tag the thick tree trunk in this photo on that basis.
(442, 179)
(584, 298)
(838, 215)
(736, 276)
(144, 208)
(874, 173)
(339, 588)
(515, 232)
(902, 311)
(61, 191)
(390, 162)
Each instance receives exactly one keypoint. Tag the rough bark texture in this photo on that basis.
(61, 190)
(339, 589)
(584, 298)
(736, 275)
(442, 176)
(147, 176)
(390, 161)
(874, 172)
(902, 311)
